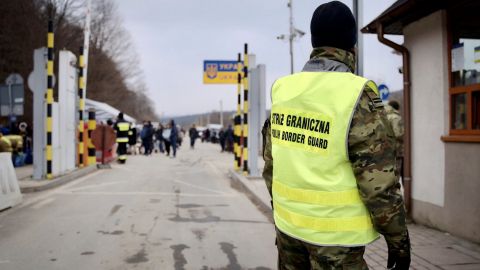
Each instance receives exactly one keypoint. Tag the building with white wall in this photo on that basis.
(441, 64)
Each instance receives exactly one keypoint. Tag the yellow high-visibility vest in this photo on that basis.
(315, 194)
(122, 135)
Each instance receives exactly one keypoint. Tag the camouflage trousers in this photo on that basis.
(294, 254)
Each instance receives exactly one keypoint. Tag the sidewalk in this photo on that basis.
(431, 249)
(29, 185)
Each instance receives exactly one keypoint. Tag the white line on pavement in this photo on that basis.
(96, 185)
(43, 203)
(47, 194)
(4, 261)
(200, 187)
(142, 193)
(215, 169)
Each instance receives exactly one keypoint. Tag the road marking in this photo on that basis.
(43, 203)
(123, 168)
(52, 192)
(199, 187)
(4, 261)
(142, 193)
(215, 169)
(97, 185)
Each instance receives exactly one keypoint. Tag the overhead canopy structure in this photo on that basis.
(463, 14)
(103, 111)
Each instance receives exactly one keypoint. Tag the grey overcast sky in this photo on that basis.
(173, 38)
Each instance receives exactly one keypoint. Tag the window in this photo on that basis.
(464, 88)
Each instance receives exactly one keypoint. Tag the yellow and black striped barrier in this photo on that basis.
(92, 125)
(49, 99)
(237, 120)
(245, 110)
(81, 106)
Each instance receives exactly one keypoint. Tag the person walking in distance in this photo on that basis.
(193, 134)
(173, 137)
(221, 139)
(132, 140)
(229, 139)
(122, 128)
(159, 137)
(329, 156)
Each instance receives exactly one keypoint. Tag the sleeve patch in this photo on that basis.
(375, 101)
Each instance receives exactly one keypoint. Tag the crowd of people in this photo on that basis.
(168, 138)
(163, 139)
(223, 136)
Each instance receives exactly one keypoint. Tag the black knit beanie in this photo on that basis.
(333, 25)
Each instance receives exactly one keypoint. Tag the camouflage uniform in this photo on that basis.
(396, 121)
(371, 146)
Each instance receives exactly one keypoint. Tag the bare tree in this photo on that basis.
(114, 75)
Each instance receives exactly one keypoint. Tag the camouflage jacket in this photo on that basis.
(371, 147)
(396, 121)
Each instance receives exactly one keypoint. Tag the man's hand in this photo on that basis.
(398, 262)
(399, 253)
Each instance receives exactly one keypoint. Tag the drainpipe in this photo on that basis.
(407, 159)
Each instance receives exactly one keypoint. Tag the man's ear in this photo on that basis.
(353, 50)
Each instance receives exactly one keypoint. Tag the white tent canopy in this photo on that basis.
(103, 111)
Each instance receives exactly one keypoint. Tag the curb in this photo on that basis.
(240, 182)
(49, 184)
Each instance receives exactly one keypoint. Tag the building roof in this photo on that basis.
(462, 13)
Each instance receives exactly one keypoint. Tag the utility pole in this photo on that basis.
(221, 113)
(358, 12)
(293, 34)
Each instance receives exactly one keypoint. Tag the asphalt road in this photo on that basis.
(151, 213)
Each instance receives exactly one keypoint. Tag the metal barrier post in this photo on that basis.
(49, 99)
(92, 125)
(81, 106)
(245, 110)
(237, 120)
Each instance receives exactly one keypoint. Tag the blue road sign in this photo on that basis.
(383, 91)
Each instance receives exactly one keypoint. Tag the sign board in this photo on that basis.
(11, 99)
(220, 72)
(384, 92)
(14, 78)
(458, 57)
(477, 55)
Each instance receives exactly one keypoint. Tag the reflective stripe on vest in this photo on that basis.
(122, 140)
(125, 126)
(315, 194)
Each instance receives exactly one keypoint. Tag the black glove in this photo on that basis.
(398, 262)
(399, 252)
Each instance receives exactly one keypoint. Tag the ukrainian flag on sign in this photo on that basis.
(220, 72)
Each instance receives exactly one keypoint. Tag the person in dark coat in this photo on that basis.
(159, 138)
(173, 137)
(229, 139)
(193, 134)
(221, 138)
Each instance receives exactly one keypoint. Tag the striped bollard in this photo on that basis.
(237, 119)
(81, 107)
(245, 110)
(49, 100)
(92, 125)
